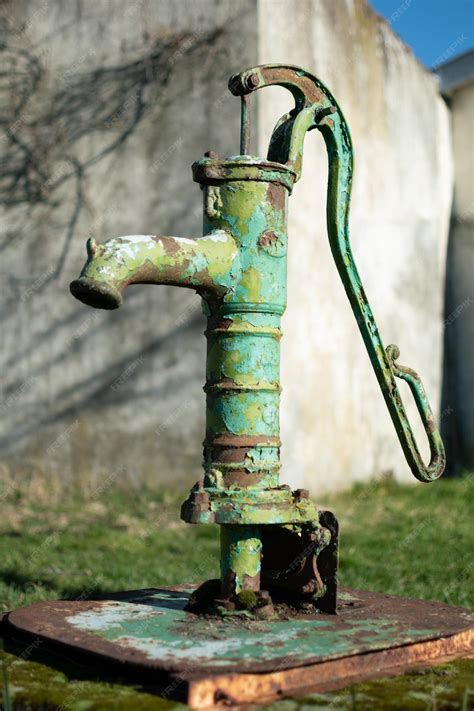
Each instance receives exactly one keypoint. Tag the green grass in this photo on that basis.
(7, 702)
(407, 540)
(115, 542)
(413, 541)
(416, 541)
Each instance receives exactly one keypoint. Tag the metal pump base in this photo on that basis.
(208, 661)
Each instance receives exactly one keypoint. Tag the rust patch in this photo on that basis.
(251, 582)
(233, 440)
(171, 247)
(276, 196)
(215, 322)
(231, 455)
(267, 239)
(243, 478)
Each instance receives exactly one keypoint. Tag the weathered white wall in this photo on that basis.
(90, 394)
(336, 428)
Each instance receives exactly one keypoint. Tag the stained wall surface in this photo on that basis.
(108, 106)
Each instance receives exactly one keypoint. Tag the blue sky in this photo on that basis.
(436, 30)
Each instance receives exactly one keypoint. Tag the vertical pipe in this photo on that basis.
(242, 445)
(241, 552)
(245, 125)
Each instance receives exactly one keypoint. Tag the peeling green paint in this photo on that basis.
(207, 264)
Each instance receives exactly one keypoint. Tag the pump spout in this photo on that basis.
(208, 264)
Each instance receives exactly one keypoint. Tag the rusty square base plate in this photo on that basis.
(237, 660)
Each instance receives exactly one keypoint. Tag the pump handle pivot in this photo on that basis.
(315, 107)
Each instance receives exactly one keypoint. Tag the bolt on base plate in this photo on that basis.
(207, 661)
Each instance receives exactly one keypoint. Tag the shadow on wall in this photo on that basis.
(66, 364)
(458, 386)
(38, 136)
(105, 388)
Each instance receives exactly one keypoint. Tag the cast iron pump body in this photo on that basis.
(275, 544)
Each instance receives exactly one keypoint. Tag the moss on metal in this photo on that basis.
(35, 687)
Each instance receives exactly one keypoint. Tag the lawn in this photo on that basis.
(406, 540)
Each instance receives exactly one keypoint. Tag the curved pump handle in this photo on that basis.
(312, 105)
(315, 107)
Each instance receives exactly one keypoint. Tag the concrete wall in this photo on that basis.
(112, 101)
(458, 401)
(336, 428)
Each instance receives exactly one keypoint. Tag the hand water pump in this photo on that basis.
(275, 544)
